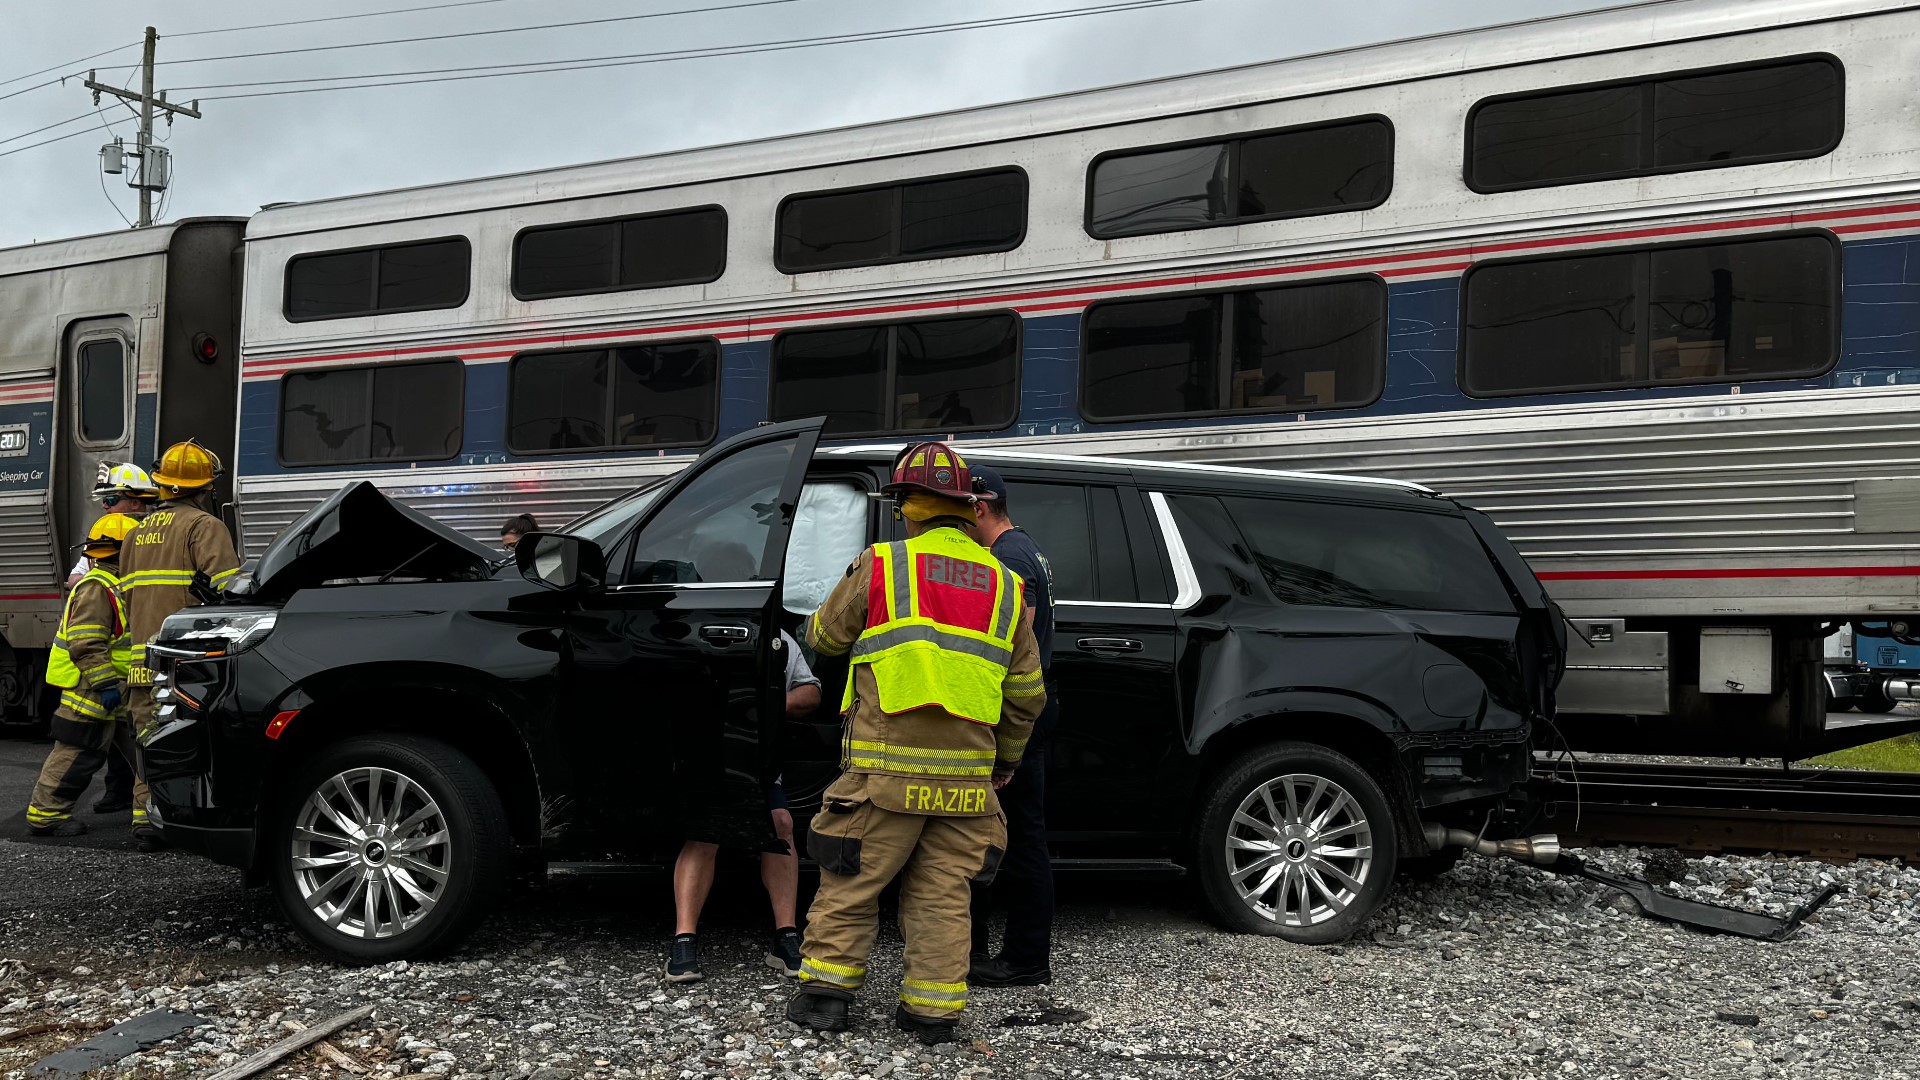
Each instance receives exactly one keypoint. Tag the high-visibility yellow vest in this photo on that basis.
(941, 613)
(61, 670)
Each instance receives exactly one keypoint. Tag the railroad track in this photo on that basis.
(1823, 813)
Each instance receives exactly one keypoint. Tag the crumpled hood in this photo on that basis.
(359, 532)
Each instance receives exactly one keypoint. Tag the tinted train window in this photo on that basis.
(651, 251)
(1755, 309)
(1694, 120)
(1291, 349)
(1323, 169)
(102, 381)
(383, 412)
(923, 219)
(373, 281)
(1343, 555)
(936, 375)
(625, 397)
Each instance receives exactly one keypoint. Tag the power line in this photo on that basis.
(334, 18)
(543, 67)
(59, 138)
(68, 64)
(482, 33)
(49, 127)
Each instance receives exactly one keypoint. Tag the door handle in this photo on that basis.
(725, 635)
(1117, 644)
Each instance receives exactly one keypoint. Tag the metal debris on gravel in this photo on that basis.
(1496, 970)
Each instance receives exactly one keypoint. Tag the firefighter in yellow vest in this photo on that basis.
(942, 691)
(177, 541)
(89, 664)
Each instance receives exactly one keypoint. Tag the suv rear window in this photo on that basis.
(1344, 555)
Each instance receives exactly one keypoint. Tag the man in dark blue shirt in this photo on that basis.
(1025, 881)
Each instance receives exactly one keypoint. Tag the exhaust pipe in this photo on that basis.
(1903, 689)
(1539, 850)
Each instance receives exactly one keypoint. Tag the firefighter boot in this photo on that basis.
(62, 827)
(931, 1031)
(822, 1008)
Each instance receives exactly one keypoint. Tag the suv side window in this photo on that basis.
(829, 532)
(1083, 535)
(1348, 555)
(715, 529)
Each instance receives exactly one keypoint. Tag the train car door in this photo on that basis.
(94, 422)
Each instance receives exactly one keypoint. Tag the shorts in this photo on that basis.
(776, 795)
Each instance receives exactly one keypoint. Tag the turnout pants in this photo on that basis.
(70, 766)
(1024, 885)
(936, 859)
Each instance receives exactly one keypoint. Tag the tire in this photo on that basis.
(1261, 879)
(1874, 699)
(426, 899)
(1430, 867)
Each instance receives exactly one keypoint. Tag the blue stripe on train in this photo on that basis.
(1880, 345)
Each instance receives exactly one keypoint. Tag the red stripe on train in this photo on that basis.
(1034, 300)
(1754, 572)
(31, 596)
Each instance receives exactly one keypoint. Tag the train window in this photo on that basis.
(380, 412)
(1343, 555)
(1725, 312)
(1317, 169)
(375, 281)
(1710, 119)
(934, 375)
(935, 218)
(1290, 349)
(649, 251)
(101, 379)
(626, 397)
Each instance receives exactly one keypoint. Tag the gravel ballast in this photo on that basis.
(1494, 970)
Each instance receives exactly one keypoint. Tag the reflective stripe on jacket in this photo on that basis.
(91, 648)
(941, 613)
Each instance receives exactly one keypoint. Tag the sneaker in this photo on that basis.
(783, 955)
(65, 827)
(683, 960)
(929, 1031)
(997, 972)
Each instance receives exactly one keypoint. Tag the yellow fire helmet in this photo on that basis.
(123, 481)
(103, 540)
(185, 468)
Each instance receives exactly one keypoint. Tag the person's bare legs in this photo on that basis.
(779, 873)
(693, 880)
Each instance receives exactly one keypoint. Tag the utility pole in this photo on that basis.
(153, 169)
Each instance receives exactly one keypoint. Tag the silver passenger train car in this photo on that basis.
(110, 346)
(1636, 282)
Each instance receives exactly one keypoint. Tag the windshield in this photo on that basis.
(603, 524)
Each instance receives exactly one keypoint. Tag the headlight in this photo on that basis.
(213, 632)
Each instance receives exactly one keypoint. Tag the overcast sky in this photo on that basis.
(266, 149)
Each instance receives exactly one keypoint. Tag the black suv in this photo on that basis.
(1270, 680)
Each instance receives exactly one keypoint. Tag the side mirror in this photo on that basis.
(560, 562)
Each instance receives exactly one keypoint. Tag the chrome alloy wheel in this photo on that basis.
(1299, 850)
(371, 853)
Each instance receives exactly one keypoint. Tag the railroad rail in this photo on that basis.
(1831, 814)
